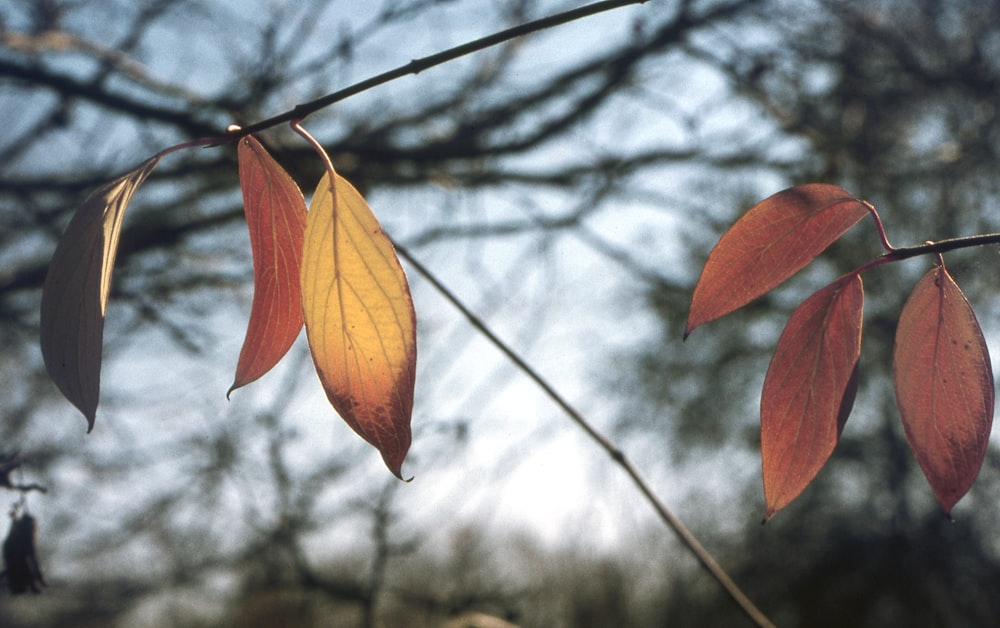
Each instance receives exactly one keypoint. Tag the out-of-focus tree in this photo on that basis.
(604, 157)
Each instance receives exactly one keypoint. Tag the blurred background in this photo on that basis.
(568, 186)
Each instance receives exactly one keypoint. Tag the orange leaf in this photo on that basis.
(359, 319)
(75, 293)
(276, 217)
(769, 244)
(944, 385)
(809, 389)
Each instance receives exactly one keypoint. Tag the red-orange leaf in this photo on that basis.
(769, 244)
(359, 319)
(809, 389)
(75, 293)
(276, 217)
(944, 385)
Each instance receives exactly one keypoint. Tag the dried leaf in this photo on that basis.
(809, 389)
(22, 570)
(276, 217)
(75, 293)
(769, 244)
(359, 319)
(944, 385)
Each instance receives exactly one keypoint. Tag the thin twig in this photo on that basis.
(298, 113)
(668, 518)
(416, 66)
(929, 248)
(8, 464)
(942, 246)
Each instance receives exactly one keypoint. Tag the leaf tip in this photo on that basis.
(394, 462)
(695, 318)
(89, 412)
(769, 513)
(948, 499)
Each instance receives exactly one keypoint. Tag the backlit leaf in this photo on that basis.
(359, 319)
(769, 244)
(276, 217)
(809, 389)
(75, 293)
(944, 385)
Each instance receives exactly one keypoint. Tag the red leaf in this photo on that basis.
(276, 217)
(769, 244)
(809, 389)
(944, 385)
(76, 289)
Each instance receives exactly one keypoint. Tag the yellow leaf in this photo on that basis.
(75, 293)
(359, 319)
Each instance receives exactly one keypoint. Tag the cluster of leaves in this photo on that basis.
(941, 366)
(330, 268)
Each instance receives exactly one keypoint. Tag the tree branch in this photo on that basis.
(668, 518)
(416, 66)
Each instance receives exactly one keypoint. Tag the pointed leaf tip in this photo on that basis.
(809, 389)
(276, 219)
(359, 319)
(944, 385)
(76, 289)
(771, 242)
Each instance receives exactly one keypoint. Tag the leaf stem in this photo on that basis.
(879, 227)
(298, 128)
(668, 518)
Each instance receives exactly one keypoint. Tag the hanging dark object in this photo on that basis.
(21, 565)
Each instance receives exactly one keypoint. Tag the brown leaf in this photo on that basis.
(276, 217)
(944, 385)
(75, 293)
(359, 319)
(809, 389)
(769, 244)
(22, 570)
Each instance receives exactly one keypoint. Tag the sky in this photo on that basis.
(570, 311)
(525, 464)
(490, 449)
